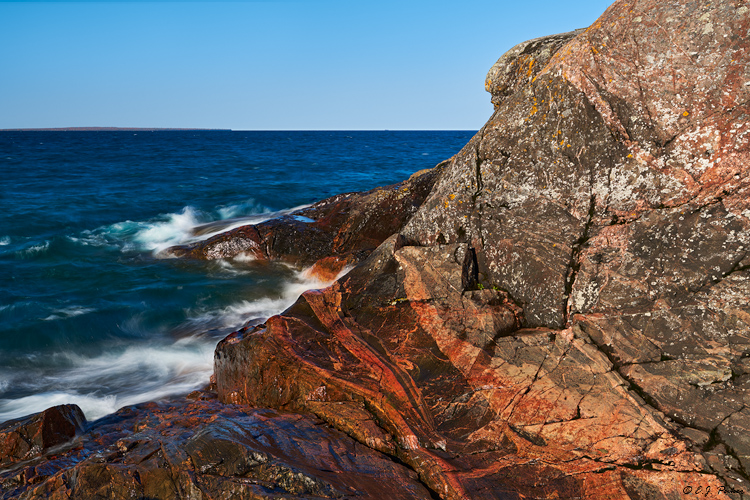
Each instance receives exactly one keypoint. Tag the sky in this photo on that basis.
(264, 65)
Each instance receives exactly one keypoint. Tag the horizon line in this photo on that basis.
(196, 129)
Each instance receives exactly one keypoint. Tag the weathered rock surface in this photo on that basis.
(29, 437)
(342, 229)
(566, 314)
(561, 310)
(203, 449)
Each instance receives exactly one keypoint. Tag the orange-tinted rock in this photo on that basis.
(30, 437)
(566, 314)
(204, 449)
(328, 268)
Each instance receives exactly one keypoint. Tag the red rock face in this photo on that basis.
(206, 450)
(566, 313)
(561, 310)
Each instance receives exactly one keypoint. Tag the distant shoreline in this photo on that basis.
(109, 129)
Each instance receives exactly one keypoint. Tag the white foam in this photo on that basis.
(228, 268)
(250, 206)
(187, 226)
(124, 376)
(244, 257)
(92, 406)
(68, 312)
(5, 240)
(174, 231)
(36, 249)
(138, 374)
(237, 314)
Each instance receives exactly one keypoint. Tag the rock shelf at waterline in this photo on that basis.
(560, 310)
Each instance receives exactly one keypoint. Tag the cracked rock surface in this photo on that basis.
(567, 311)
(202, 449)
(561, 310)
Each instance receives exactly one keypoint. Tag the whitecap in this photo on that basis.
(5, 240)
(190, 225)
(124, 376)
(209, 229)
(68, 312)
(35, 249)
(228, 268)
(176, 229)
(244, 257)
(239, 313)
(135, 374)
(247, 207)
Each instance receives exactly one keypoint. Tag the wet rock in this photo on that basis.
(341, 229)
(570, 300)
(32, 436)
(207, 450)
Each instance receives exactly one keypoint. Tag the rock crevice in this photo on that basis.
(560, 310)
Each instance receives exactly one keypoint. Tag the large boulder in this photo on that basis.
(566, 314)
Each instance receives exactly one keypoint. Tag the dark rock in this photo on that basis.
(561, 310)
(570, 300)
(30, 437)
(345, 227)
(204, 449)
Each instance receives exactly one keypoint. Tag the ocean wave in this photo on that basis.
(245, 311)
(92, 405)
(247, 207)
(136, 374)
(149, 370)
(4, 240)
(186, 226)
(227, 268)
(244, 257)
(68, 312)
(175, 230)
(35, 249)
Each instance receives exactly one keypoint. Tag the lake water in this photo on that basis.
(90, 314)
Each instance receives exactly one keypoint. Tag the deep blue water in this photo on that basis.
(89, 314)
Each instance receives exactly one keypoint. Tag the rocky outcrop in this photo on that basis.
(337, 231)
(561, 310)
(566, 312)
(202, 449)
(30, 437)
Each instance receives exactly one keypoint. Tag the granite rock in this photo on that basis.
(566, 313)
(561, 310)
(202, 449)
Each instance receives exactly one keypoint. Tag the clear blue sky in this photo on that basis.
(264, 65)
